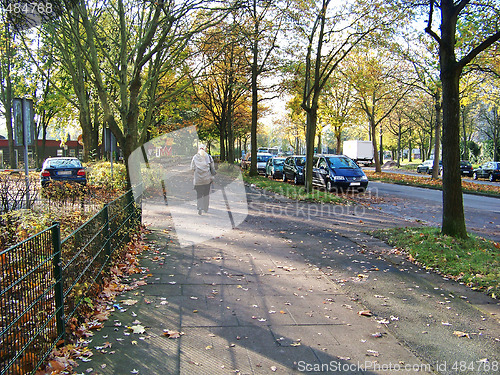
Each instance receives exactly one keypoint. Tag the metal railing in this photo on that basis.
(44, 280)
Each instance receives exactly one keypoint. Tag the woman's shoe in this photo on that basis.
(199, 212)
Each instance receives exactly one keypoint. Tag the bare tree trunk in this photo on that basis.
(255, 93)
(410, 147)
(399, 142)
(339, 145)
(8, 99)
(465, 155)
(378, 168)
(453, 207)
(437, 138)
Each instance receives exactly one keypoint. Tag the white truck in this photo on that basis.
(359, 151)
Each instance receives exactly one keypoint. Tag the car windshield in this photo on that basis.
(300, 161)
(496, 165)
(342, 163)
(465, 164)
(262, 158)
(279, 161)
(64, 163)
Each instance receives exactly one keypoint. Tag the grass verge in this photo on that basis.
(420, 181)
(474, 261)
(297, 192)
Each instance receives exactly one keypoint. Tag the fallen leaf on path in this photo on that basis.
(129, 302)
(139, 329)
(365, 313)
(171, 334)
(372, 353)
(461, 334)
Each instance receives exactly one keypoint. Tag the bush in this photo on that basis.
(99, 174)
(21, 224)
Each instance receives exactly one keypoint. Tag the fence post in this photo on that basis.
(107, 232)
(58, 287)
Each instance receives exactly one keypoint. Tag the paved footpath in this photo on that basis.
(288, 292)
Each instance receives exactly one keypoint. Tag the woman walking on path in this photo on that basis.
(204, 170)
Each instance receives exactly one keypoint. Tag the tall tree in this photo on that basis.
(331, 37)
(264, 20)
(6, 67)
(337, 107)
(223, 86)
(380, 84)
(127, 48)
(485, 14)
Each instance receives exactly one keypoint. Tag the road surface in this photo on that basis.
(425, 175)
(481, 213)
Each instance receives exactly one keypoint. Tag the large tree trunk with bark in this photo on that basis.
(312, 119)
(437, 138)
(255, 93)
(376, 159)
(453, 207)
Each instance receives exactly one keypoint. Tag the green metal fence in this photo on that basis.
(44, 280)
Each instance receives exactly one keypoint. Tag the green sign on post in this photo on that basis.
(24, 121)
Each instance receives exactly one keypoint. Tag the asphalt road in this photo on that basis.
(425, 312)
(414, 173)
(482, 214)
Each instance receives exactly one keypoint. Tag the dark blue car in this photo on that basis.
(62, 169)
(338, 172)
(293, 169)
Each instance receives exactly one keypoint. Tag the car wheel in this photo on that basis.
(328, 186)
(491, 177)
(284, 177)
(474, 176)
(296, 180)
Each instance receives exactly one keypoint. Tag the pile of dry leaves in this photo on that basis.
(62, 360)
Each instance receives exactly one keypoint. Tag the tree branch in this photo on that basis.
(428, 29)
(476, 51)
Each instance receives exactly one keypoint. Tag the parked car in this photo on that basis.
(426, 167)
(293, 169)
(274, 167)
(245, 161)
(62, 169)
(262, 159)
(489, 170)
(338, 172)
(466, 168)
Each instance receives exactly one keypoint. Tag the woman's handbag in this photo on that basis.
(212, 168)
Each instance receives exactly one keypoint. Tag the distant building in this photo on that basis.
(52, 148)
